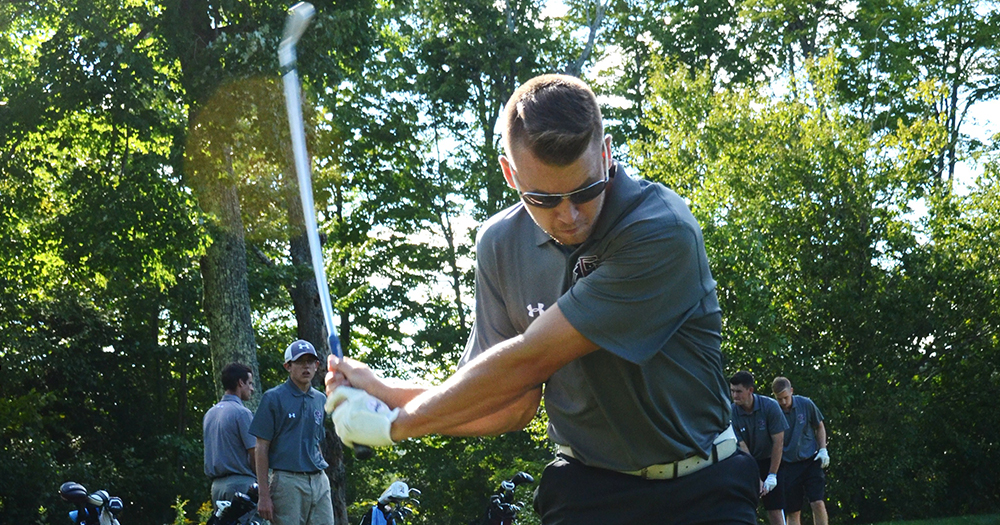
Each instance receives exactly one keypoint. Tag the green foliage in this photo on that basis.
(823, 278)
(847, 253)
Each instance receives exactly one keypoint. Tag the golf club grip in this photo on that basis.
(362, 452)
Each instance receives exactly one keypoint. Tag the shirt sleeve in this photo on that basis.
(776, 421)
(492, 324)
(653, 280)
(815, 414)
(734, 420)
(262, 425)
(249, 441)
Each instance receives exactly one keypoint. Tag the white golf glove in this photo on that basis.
(824, 458)
(770, 483)
(361, 418)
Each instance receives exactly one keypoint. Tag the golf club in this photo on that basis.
(299, 16)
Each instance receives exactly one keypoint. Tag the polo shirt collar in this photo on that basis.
(232, 397)
(295, 389)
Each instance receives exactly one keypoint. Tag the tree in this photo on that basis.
(804, 212)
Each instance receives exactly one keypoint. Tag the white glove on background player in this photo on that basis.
(360, 417)
(824, 458)
(769, 484)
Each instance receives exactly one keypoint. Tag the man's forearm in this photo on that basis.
(262, 465)
(821, 435)
(496, 379)
(514, 416)
(777, 445)
(484, 386)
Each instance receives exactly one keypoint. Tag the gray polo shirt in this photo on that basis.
(641, 289)
(227, 438)
(292, 420)
(800, 438)
(756, 427)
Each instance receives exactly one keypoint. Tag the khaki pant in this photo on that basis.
(301, 498)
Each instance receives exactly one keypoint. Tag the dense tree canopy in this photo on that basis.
(150, 229)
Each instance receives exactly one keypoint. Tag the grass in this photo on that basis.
(982, 519)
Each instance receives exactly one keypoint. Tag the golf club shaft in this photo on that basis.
(298, 18)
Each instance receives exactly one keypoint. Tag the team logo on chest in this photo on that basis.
(584, 266)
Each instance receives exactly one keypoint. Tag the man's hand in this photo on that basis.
(360, 417)
(769, 484)
(264, 506)
(348, 372)
(823, 457)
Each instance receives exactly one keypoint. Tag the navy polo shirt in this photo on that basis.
(756, 427)
(292, 420)
(800, 438)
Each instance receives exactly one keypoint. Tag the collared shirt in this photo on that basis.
(641, 289)
(800, 438)
(756, 427)
(227, 438)
(292, 420)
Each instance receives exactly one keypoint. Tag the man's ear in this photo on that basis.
(508, 170)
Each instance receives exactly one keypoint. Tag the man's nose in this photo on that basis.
(567, 212)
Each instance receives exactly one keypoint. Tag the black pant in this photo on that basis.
(571, 493)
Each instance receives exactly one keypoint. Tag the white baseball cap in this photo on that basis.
(298, 349)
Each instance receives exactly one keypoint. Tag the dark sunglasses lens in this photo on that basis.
(588, 194)
(542, 201)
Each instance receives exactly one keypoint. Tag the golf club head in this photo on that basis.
(521, 477)
(298, 18)
(115, 505)
(73, 492)
(397, 490)
(253, 492)
(99, 498)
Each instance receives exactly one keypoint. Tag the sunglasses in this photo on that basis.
(551, 200)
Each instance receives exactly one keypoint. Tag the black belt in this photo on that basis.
(231, 475)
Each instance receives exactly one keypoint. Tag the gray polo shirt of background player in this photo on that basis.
(292, 420)
(756, 427)
(227, 438)
(800, 438)
(657, 393)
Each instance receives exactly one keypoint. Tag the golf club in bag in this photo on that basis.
(238, 511)
(96, 508)
(391, 509)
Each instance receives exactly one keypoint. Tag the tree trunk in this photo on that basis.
(224, 276)
(223, 267)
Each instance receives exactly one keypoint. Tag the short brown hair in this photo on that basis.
(742, 378)
(556, 117)
(780, 384)
(233, 373)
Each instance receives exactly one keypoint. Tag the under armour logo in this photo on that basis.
(291, 415)
(532, 310)
(303, 345)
